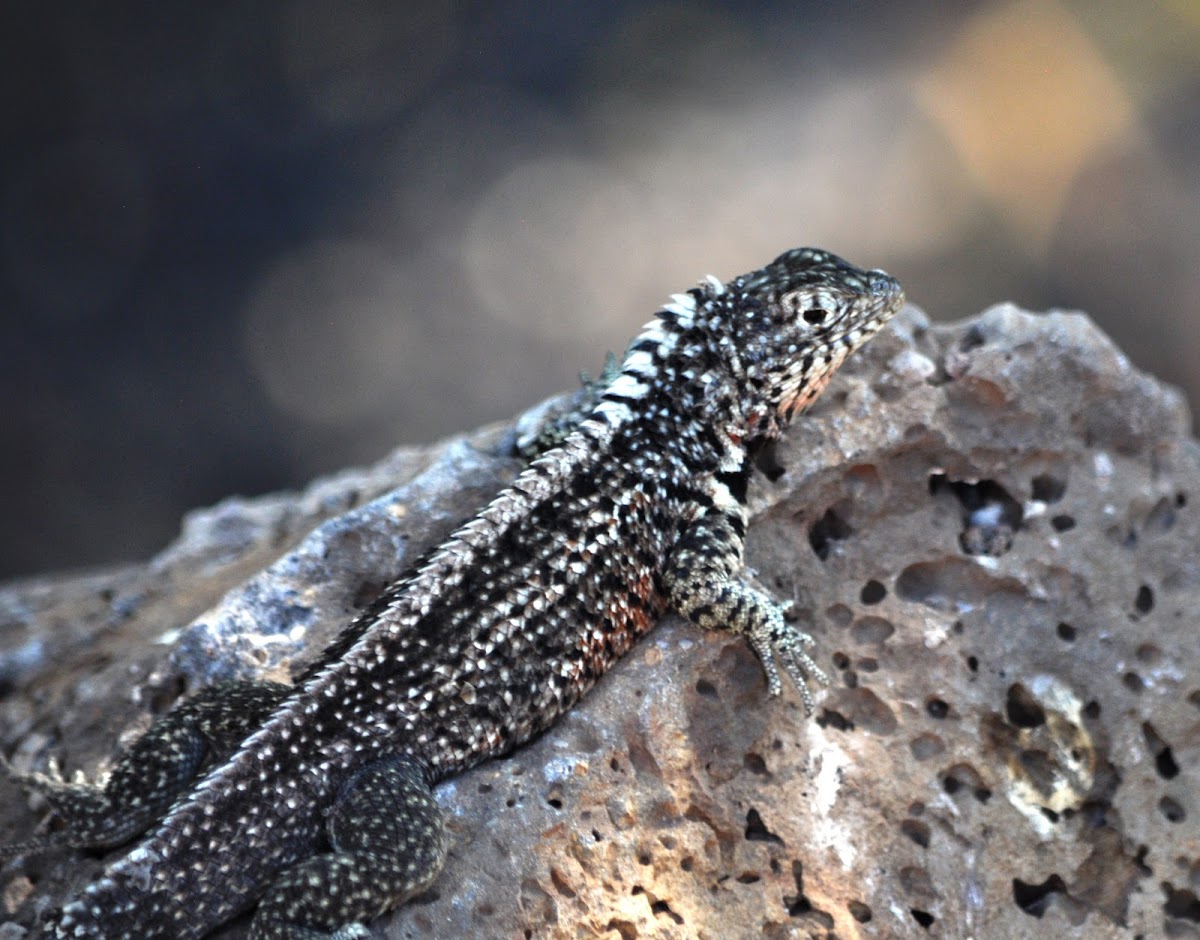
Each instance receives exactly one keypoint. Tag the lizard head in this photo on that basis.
(743, 357)
(783, 330)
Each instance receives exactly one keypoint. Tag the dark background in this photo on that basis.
(242, 244)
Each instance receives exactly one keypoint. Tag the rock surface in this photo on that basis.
(992, 527)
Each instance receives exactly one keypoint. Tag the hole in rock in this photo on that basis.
(663, 909)
(757, 831)
(1048, 489)
(1143, 603)
(1172, 810)
(825, 531)
(1033, 899)
(872, 630)
(924, 918)
(991, 517)
(872, 592)
(1164, 758)
(917, 831)
(1022, 708)
(830, 718)
(1182, 904)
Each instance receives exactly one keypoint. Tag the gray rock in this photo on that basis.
(991, 527)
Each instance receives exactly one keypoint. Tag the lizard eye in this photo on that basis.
(815, 316)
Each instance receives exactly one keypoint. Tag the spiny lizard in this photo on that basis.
(316, 802)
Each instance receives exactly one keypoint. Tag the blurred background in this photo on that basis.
(243, 244)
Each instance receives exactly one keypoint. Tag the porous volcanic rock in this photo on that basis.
(990, 527)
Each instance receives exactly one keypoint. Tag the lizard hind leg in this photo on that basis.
(155, 771)
(389, 843)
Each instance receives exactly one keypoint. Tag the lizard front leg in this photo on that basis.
(705, 581)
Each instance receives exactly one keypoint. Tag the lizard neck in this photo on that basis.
(684, 387)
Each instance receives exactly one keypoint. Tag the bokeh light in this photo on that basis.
(243, 246)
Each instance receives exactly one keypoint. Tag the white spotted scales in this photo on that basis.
(315, 802)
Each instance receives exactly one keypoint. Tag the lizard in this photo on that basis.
(312, 802)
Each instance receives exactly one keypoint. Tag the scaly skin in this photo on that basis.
(321, 813)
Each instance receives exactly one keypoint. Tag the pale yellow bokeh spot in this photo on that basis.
(1025, 98)
(1186, 10)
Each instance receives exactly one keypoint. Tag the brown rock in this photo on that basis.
(992, 528)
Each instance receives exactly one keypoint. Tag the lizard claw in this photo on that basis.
(777, 643)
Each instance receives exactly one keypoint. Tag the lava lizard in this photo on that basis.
(315, 801)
